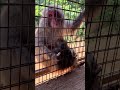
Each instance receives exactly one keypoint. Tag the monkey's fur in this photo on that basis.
(66, 56)
(92, 69)
(52, 27)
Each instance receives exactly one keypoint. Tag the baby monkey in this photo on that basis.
(66, 57)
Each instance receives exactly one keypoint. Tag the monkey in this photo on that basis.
(92, 70)
(65, 55)
(53, 26)
(17, 71)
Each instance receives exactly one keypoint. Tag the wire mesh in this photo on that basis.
(102, 39)
(17, 45)
(17, 42)
(46, 69)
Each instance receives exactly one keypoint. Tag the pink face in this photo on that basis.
(54, 19)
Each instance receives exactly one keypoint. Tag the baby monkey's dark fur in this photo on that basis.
(66, 56)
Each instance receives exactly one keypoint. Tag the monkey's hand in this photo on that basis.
(54, 57)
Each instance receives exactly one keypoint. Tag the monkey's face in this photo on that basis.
(55, 19)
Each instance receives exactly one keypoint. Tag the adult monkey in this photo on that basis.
(17, 45)
(53, 26)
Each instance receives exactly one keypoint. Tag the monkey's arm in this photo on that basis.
(92, 9)
(78, 21)
(72, 26)
(41, 48)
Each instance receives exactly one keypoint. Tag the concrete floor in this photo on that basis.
(74, 80)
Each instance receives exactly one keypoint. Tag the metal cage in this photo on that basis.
(20, 65)
(102, 39)
(17, 45)
(76, 42)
